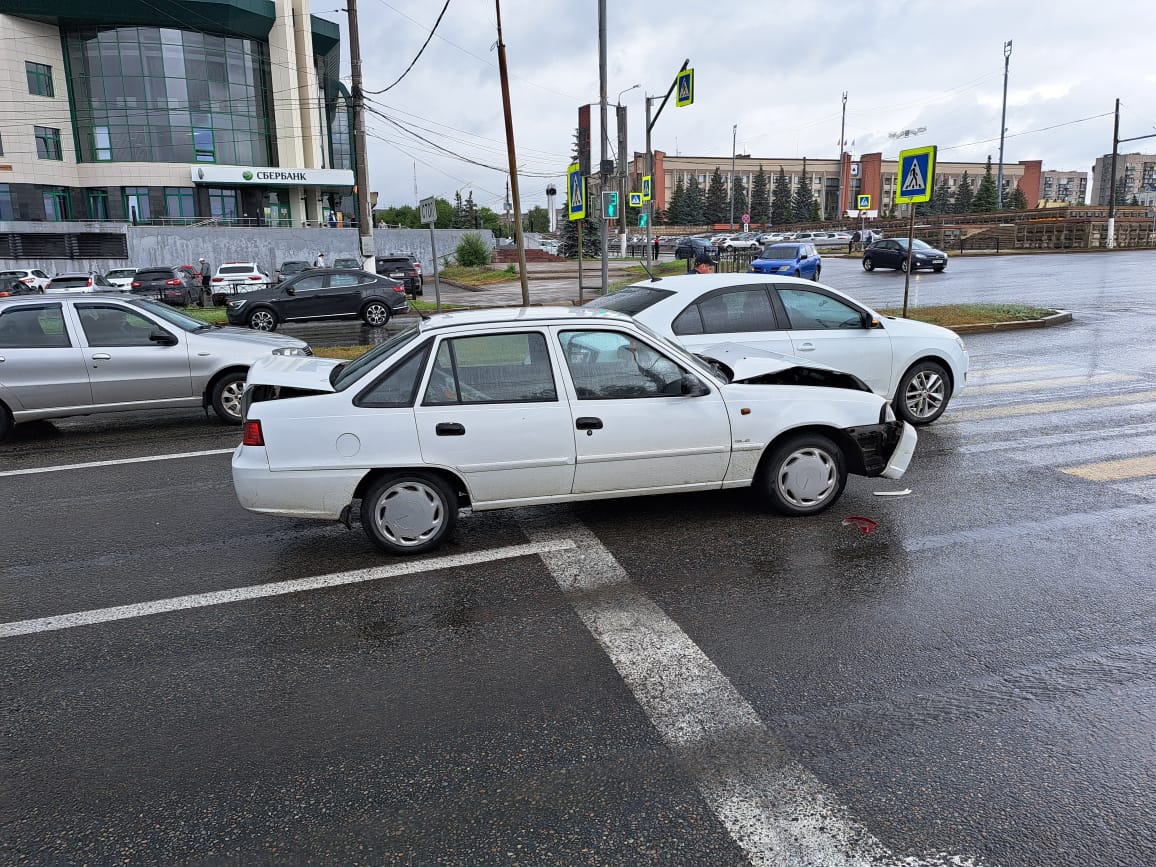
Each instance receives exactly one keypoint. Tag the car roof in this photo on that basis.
(527, 315)
(76, 296)
(695, 284)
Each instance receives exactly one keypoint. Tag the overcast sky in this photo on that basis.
(778, 70)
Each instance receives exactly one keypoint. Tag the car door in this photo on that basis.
(124, 364)
(41, 366)
(492, 409)
(733, 314)
(343, 292)
(301, 299)
(634, 428)
(827, 329)
(887, 255)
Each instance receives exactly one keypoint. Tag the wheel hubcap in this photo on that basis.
(807, 477)
(231, 398)
(375, 315)
(262, 321)
(925, 394)
(409, 513)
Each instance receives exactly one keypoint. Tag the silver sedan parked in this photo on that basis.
(71, 355)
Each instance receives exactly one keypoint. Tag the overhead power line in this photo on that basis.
(419, 52)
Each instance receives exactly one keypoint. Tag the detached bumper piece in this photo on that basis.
(885, 449)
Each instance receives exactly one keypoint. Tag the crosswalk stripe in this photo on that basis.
(1056, 382)
(1110, 471)
(1041, 407)
(985, 372)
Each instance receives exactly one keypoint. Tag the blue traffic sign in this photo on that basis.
(916, 175)
(576, 197)
(684, 90)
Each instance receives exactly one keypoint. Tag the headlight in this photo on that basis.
(962, 345)
(291, 350)
(236, 305)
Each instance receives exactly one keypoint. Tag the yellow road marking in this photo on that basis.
(1112, 471)
(1029, 384)
(1053, 406)
(984, 372)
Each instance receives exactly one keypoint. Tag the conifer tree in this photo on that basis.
(985, 193)
(781, 203)
(715, 208)
(741, 203)
(1017, 201)
(760, 198)
(692, 214)
(964, 195)
(672, 216)
(802, 204)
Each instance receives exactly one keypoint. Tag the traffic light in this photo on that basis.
(610, 204)
(642, 219)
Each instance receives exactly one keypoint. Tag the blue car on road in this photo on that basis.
(793, 260)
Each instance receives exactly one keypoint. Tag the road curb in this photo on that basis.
(1057, 318)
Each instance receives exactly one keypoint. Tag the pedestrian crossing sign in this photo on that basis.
(576, 192)
(685, 88)
(916, 175)
(636, 200)
(863, 203)
(646, 188)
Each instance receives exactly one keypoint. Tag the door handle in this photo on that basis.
(450, 429)
(806, 347)
(588, 423)
(102, 356)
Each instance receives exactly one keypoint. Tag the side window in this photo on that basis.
(688, 321)
(492, 368)
(608, 365)
(343, 280)
(809, 311)
(398, 386)
(307, 284)
(114, 326)
(33, 328)
(746, 308)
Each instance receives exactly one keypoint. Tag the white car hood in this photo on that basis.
(897, 326)
(762, 366)
(286, 371)
(244, 336)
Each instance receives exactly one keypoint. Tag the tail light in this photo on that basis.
(28, 280)
(172, 282)
(136, 284)
(4, 294)
(218, 279)
(417, 267)
(90, 283)
(254, 276)
(253, 435)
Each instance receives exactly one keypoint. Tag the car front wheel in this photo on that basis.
(922, 394)
(375, 314)
(868, 264)
(818, 271)
(408, 513)
(263, 320)
(804, 475)
(226, 396)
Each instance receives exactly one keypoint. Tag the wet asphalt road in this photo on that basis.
(971, 683)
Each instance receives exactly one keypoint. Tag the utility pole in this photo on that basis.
(360, 167)
(604, 175)
(650, 122)
(1007, 49)
(1116, 142)
(503, 73)
(734, 138)
(842, 133)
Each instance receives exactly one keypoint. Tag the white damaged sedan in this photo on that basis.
(497, 408)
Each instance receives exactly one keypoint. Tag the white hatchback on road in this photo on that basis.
(512, 407)
(918, 366)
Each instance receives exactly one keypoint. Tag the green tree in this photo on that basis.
(741, 204)
(1135, 200)
(445, 214)
(715, 208)
(672, 216)
(591, 225)
(692, 214)
(399, 215)
(964, 195)
(472, 250)
(459, 212)
(816, 215)
(781, 202)
(802, 205)
(985, 193)
(470, 213)
(538, 219)
(491, 220)
(1017, 201)
(760, 198)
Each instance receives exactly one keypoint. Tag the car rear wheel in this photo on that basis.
(922, 394)
(408, 513)
(6, 423)
(868, 264)
(804, 475)
(226, 396)
(903, 265)
(375, 314)
(263, 320)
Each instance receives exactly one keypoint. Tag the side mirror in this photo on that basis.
(290, 290)
(692, 386)
(870, 321)
(162, 337)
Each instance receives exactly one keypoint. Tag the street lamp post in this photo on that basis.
(734, 138)
(1007, 49)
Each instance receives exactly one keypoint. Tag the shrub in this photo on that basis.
(472, 250)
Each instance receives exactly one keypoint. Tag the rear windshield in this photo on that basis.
(19, 274)
(631, 300)
(155, 274)
(66, 282)
(236, 269)
(393, 263)
(781, 251)
(123, 272)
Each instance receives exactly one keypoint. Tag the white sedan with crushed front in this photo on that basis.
(514, 407)
(918, 366)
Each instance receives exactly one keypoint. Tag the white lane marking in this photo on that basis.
(279, 588)
(62, 467)
(773, 807)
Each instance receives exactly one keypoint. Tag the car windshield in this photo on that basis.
(167, 313)
(780, 251)
(346, 374)
(631, 300)
(915, 245)
(680, 351)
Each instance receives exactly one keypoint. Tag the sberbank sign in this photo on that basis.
(292, 176)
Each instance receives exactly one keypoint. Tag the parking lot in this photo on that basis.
(681, 679)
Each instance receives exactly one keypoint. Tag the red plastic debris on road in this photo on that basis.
(865, 525)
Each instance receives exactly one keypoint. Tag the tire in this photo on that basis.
(868, 263)
(804, 475)
(263, 319)
(938, 268)
(798, 274)
(6, 423)
(903, 265)
(818, 271)
(923, 393)
(226, 396)
(375, 314)
(408, 512)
